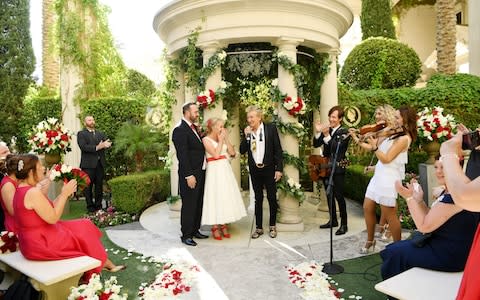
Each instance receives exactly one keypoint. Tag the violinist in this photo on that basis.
(392, 154)
(329, 135)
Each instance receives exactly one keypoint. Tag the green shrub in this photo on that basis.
(381, 63)
(458, 94)
(356, 182)
(36, 110)
(133, 193)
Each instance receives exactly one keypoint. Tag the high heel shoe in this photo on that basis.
(369, 247)
(224, 230)
(216, 233)
(386, 235)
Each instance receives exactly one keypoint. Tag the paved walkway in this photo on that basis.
(239, 267)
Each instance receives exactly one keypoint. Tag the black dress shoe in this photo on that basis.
(198, 235)
(342, 230)
(329, 224)
(189, 242)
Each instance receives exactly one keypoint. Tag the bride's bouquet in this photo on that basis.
(66, 173)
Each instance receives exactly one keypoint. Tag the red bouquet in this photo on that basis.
(8, 242)
(66, 173)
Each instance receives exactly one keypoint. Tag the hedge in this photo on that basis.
(133, 193)
(458, 94)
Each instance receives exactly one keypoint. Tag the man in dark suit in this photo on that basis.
(330, 135)
(93, 143)
(265, 161)
(191, 173)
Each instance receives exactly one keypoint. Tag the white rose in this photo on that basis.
(275, 82)
(223, 84)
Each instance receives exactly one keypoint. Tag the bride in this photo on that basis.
(222, 201)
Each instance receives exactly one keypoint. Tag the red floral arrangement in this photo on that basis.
(66, 173)
(9, 242)
(206, 98)
(294, 108)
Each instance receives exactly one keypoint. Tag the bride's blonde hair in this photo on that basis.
(211, 123)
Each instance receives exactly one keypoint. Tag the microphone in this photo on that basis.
(343, 136)
(249, 135)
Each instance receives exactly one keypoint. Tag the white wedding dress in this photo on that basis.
(222, 201)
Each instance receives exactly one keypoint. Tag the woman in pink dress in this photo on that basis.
(8, 185)
(41, 234)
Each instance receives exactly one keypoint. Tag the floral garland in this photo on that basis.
(8, 242)
(96, 290)
(294, 108)
(206, 99)
(296, 129)
(292, 188)
(315, 284)
(297, 71)
(299, 163)
(175, 279)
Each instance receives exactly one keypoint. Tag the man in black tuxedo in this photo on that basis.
(265, 161)
(191, 173)
(93, 143)
(330, 135)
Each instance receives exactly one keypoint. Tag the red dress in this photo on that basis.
(9, 219)
(470, 288)
(39, 240)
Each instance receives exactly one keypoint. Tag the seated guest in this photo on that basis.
(452, 230)
(465, 191)
(41, 233)
(8, 185)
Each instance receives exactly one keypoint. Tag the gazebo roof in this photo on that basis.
(318, 24)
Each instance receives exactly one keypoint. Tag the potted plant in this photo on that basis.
(433, 129)
(174, 202)
(51, 138)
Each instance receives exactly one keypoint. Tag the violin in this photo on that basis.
(377, 130)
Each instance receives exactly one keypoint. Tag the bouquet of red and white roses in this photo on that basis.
(206, 98)
(50, 136)
(433, 125)
(66, 173)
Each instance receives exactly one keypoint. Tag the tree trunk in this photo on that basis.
(50, 62)
(446, 38)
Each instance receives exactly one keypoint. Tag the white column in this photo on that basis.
(180, 95)
(319, 193)
(234, 135)
(69, 81)
(474, 37)
(213, 81)
(289, 208)
(328, 91)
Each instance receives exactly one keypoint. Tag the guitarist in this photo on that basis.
(329, 135)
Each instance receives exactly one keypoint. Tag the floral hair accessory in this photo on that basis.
(20, 165)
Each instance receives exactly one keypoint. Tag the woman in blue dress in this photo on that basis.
(452, 230)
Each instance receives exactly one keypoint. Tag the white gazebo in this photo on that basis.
(286, 24)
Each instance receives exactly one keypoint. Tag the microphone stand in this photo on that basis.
(331, 268)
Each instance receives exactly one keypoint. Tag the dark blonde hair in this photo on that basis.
(26, 163)
(11, 164)
(211, 123)
(409, 116)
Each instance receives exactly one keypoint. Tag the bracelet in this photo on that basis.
(447, 155)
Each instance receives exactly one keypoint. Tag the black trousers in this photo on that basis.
(264, 178)
(192, 205)
(338, 185)
(96, 179)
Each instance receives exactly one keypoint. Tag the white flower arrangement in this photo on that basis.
(175, 279)
(50, 136)
(314, 283)
(96, 290)
(433, 125)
